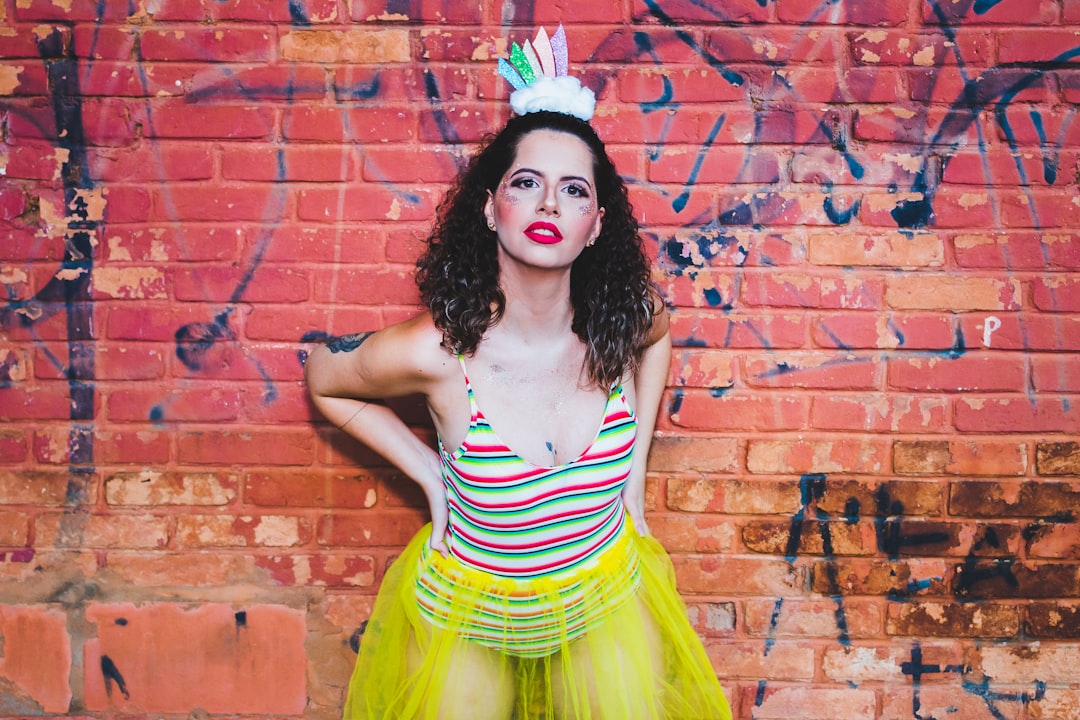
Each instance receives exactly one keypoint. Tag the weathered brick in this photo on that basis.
(734, 330)
(1057, 458)
(861, 576)
(833, 371)
(202, 531)
(1017, 250)
(825, 456)
(350, 46)
(950, 457)
(687, 453)
(757, 576)
(370, 528)
(1019, 664)
(1053, 620)
(1004, 578)
(152, 488)
(956, 620)
(1013, 498)
(879, 413)
(925, 292)
(692, 533)
(100, 531)
(811, 537)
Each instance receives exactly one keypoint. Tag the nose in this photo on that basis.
(549, 202)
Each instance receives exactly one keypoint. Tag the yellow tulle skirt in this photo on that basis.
(611, 641)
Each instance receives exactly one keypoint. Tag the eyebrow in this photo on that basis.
(519, 171)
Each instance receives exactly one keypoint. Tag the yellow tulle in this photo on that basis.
(641, 660)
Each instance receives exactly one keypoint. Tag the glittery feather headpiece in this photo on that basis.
(538, 72)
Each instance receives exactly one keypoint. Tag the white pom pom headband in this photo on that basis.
(538, 72)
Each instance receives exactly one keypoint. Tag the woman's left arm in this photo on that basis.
(649, 383)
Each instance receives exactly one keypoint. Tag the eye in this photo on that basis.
(524, 182)
(577, 190)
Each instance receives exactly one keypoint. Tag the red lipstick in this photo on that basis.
(544, 233)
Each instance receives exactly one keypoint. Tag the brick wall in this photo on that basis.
(865, 216)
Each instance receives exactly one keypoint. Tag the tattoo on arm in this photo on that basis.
(347, 343)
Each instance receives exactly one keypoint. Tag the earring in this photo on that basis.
(491, 224)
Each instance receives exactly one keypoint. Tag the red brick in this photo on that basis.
(37, 656)
(125, 447)
(456, 123)
(250, 361)
(196, 404)
(861, 664)
(774, 44)
(705, 288)
(908, 250)
(878, 413)
(218, 283)
(808, 703)
(737, 329)
(267, 163)
(178, 119)
(724, 165)
(216, 43)
(100, 41)
(940, 699)
(14, 529)
(1026, 134)
(134, 361)
(684, 11)
(44, 10)
(861, 576)
(1001, 167)
(707, 411)
(757, 576)
(243, 659)
(812, 370)
(279, 403)
(909, 126)
(316, 489)
(375, 285)
(675, 84)
(886, 47)
(696, 367)
(971, 372)
(1053, 620)
(175, 243)
(363, 124)
(136, 80)
(1018, 414)
(808, 11)
(367, 529)
(907, 331)
(253, 202)
(1038, 12)
(816, 617)
(437, 164)
(1018, 664)
(1056, 293)
(13, 446)
(366, 203)
(1052, 540)
(45, 401)
(207, 10)
(1018, 250)
(228, 447)
(1030, 332)
(783, 660)
(128, 282)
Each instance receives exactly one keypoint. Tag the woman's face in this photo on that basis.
(545, 208)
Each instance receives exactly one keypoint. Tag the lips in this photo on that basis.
(543, 233)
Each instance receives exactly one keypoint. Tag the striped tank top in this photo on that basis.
(512, 518)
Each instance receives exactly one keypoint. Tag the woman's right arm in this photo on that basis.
(345, 375)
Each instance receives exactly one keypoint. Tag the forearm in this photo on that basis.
(380, 428)
(649, 384)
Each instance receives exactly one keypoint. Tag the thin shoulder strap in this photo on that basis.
(473, 407)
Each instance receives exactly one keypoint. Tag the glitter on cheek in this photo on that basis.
(508, 197)
(586, 209)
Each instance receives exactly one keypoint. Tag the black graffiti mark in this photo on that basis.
(889, 530)
(811, 490)
(240, 618)
(112, 675)
(916, 668)
(357, 636)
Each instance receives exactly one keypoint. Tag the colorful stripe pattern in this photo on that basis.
(538, 555)
(512, 518)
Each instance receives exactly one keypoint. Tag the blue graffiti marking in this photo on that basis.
(680, 202)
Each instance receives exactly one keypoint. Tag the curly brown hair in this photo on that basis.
(610, 292)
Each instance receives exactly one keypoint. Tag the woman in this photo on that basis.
(536, 591)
